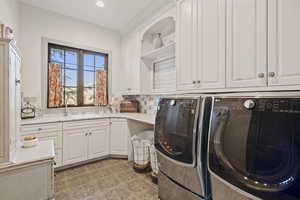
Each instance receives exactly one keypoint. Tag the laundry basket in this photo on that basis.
(141, 155)
(154, 163)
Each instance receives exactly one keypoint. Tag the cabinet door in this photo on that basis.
(246, 43)
(134, 76)
(18, 93)
(186, 48)
(75, 145)
(98, 142)
(131, 56)
(284, 42)
(119, 138)
(13, 59)
(211, 44)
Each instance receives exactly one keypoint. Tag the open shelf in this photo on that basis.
(160, 53)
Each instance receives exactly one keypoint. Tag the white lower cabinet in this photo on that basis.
(83, 140)
(78, 141)
(98, 142)
(119, 137)
(32, 181)
(45, 132)
(75, 146)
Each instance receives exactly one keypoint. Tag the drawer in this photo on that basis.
(45, 136)
(40, 128)
(58, 158)
(85, 124)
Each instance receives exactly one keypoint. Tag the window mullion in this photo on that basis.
(80, 84)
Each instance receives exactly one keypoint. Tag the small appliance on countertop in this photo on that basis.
(131, 106)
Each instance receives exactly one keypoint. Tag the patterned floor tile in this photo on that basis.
(111, 179)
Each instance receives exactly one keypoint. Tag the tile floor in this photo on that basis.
(112, 179)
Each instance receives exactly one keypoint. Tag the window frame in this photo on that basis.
(46, 42)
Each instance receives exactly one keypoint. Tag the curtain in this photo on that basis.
(55, 89)
(101, 87)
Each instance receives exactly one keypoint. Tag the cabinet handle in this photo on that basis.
(90, 133)
(271, 74)
(194, 82)
(39, 129)
(86, 134)
(261, 75)
(198, 81)
(18, 81)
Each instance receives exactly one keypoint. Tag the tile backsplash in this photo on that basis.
(148, 105)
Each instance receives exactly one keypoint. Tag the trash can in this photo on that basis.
(141, 154)
(154, 163)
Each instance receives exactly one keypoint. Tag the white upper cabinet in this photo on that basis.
(186, 50)
(131, 62)
(211, 44)
(284, 42)
(246, 43)
(200, 44)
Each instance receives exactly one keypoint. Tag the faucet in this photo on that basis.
(69, 95)
(66, 105)
(110, 109)
(66, 109)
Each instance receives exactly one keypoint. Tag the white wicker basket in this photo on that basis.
(140, 144)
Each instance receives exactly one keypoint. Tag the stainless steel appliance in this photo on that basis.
(254, 146)
(181, 134)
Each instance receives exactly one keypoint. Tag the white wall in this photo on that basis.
(9, 14)
(37, 23)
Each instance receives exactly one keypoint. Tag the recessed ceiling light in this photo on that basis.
(100, 4)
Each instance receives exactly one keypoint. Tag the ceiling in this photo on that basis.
(116, 15)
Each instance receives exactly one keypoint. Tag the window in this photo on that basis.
(77, 77)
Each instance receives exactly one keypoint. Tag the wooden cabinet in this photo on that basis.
(119, 137)
(10, 99)
(246, 43)
(83, 140)
(284, 42)
(200, 44)
(131, 51)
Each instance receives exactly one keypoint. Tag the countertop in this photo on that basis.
(140, 117)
